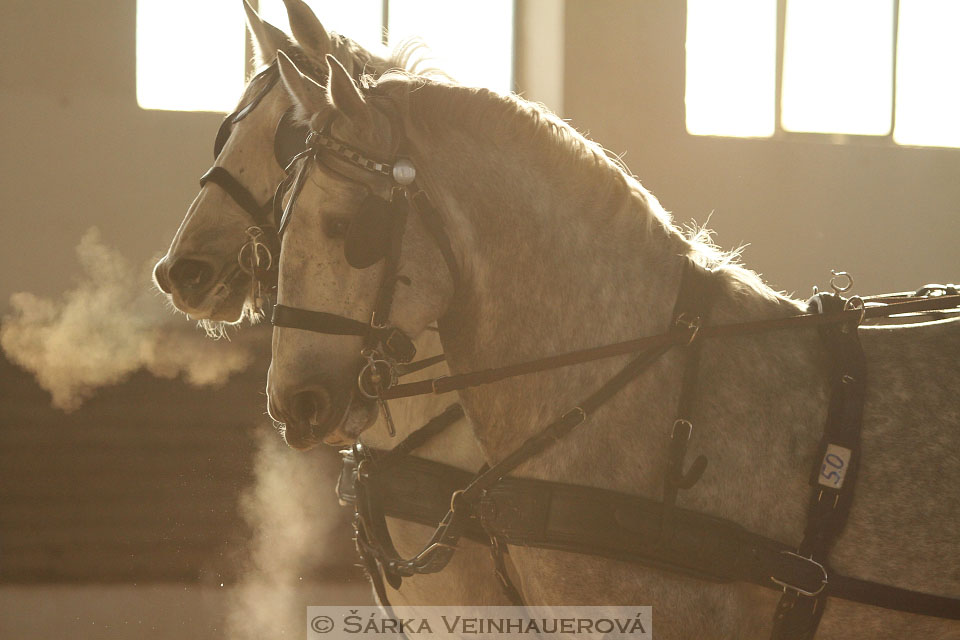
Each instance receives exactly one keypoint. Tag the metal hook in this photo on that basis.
(680, 478)
(693, 324)
(856, 303)
(837, 278)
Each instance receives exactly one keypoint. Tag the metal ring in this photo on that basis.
(256, 234)
(254, 245)
(371, 364)
(835, 279)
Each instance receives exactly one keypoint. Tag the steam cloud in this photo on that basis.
(111, 324)
(292, 527)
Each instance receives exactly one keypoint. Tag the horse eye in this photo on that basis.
(336, 228)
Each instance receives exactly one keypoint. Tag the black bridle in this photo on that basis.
(260, 213)
(375, 234)
(256, 255)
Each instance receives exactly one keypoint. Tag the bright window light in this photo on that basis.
(838, 66)
(928, 68)
(359, 20)
(189, 54)
(731, 67)
(472, 41)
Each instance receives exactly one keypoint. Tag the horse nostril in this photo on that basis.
(310, 407)
(191, 274)
(160, 276)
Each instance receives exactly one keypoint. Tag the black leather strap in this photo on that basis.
(318, 321)
(272, 75)
(434, 224)
(261, 213)
(396, 344)
(834, 473)
(553, 515)
(691, 311)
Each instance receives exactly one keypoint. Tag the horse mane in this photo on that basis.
(510, 119)
(414, 56)
(439, 107)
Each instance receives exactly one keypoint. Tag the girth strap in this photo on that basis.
(240, 194)
(834, 474)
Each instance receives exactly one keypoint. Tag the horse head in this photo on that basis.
(348, 245)
(226, 242)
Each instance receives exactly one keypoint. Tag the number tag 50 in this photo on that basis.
(834, 466)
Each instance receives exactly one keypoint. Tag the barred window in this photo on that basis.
(867, 70)
(190, 55)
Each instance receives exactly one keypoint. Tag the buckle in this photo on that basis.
(682, 429)
(576, 412)
(398, 346)
(685, 321)
(792, 587)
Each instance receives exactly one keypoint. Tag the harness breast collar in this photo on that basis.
(493, 507)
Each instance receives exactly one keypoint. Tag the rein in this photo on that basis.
(677, 335)
(801, 573)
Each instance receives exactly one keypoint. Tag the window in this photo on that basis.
(190, 55)
(879, 68)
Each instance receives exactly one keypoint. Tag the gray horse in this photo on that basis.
(557, 248)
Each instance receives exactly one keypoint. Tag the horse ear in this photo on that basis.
(307, 29)
(267, 39)
(344, 95)
(309, 96)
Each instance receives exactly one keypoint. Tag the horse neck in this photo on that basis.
(549, 266)
(550, 269)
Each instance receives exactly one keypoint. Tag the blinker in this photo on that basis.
(368, 239)
(289, 139)
(223, 134)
